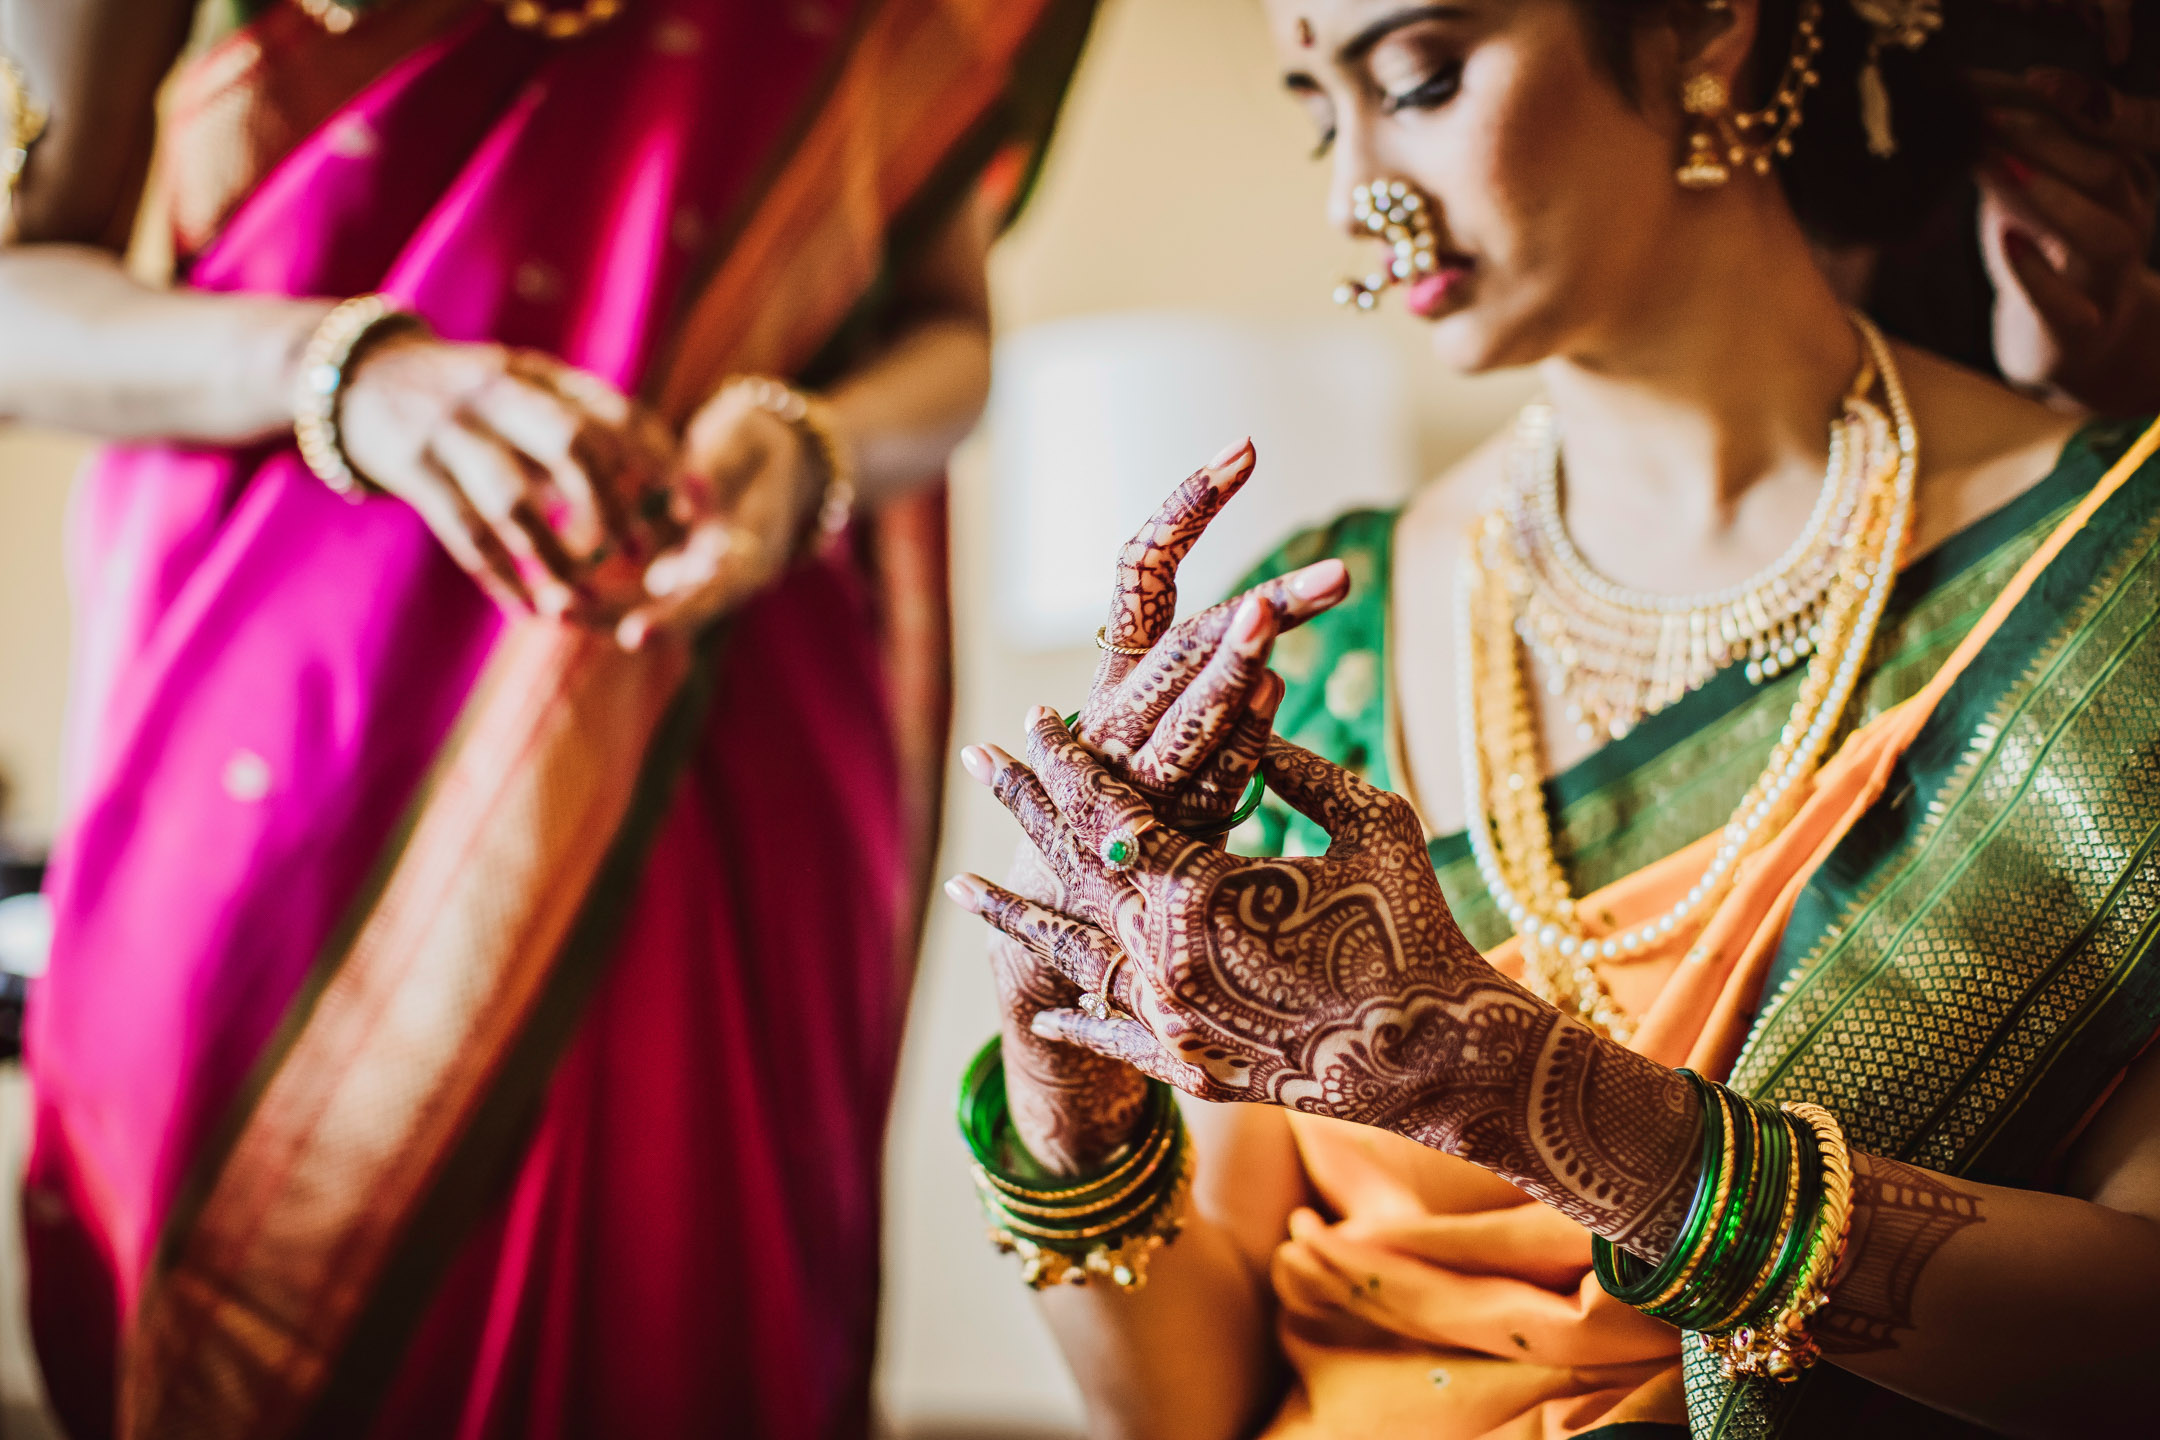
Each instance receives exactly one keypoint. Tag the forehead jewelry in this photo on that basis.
(1400, 214)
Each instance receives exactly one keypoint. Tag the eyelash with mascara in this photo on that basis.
(1430, 94)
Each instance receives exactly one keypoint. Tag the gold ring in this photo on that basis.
(1096, 1002)
(1102, 642)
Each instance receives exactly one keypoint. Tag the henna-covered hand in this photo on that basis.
(1337, 985)
(1185, 723)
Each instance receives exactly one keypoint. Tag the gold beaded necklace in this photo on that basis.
(1510, 834)
(339, 16)
(1614, 654)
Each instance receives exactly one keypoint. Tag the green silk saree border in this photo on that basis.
(1969, 971)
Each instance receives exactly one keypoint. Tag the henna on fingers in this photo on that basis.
(1338, 986)
(1902, 1215)
(1180, 708)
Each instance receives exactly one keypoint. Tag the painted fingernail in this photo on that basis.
(966, 891)
(631, 634)
(1316, 580)
(2022, 246)
(1045, 1026)
(1040, 715)
(1268, 698)
(1229, 453)
(1250, 620)
(976, 761)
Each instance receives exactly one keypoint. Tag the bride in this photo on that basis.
(1707, 880)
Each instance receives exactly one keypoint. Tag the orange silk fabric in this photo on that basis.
(1441, 1303)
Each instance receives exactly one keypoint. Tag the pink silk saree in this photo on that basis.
(455, 1027)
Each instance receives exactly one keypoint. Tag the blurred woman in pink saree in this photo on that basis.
(439, 1038)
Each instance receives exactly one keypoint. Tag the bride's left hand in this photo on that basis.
(1337, 986)
(1331, 984)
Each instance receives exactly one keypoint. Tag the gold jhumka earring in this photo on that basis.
(1399, 213)
(1721, 139)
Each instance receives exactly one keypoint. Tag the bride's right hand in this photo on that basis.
(1185, 723)
(529, 471)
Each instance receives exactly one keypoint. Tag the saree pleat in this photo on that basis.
(1989, 1014)
(419, 973)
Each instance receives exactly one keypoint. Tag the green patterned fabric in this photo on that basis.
(1968, 972)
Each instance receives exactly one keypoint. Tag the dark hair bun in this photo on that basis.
(1842, 193)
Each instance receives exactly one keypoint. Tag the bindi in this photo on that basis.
(1304, 32)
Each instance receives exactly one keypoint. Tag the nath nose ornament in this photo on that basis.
(1398, 213)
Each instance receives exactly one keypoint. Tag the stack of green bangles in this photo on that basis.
(1762, 1235)
(1066, 1231)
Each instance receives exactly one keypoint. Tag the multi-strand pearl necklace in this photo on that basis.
(1614, 654)
(1510, 834)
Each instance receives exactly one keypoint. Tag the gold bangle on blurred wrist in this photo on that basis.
(326, 366)
(22, 121)
(814, 419)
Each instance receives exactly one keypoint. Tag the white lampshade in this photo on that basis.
(1094, 421)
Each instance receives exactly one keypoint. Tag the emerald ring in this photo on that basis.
(1119, 849)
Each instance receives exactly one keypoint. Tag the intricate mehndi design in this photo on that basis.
(1338, 986)
(1902, 1215)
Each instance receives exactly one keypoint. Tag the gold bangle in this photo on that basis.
(1782, 1350)
(25, 123)
(1718, 1202)
(326, 366)
(1123, 1263)
(1149, 1152)
(1789, 1217)
(1103, 642)
(814, 419)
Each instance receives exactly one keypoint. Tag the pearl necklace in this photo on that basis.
(1510, 834)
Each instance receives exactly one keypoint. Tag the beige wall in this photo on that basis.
(35, 470)
(1180, 180)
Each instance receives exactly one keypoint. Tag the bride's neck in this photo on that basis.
(1722, 375)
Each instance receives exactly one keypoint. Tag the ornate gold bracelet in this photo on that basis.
(813, 417)
(319, 387)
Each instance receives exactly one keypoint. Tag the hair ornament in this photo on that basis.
(1903, 23)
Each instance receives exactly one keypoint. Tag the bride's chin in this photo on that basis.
(1465, 343)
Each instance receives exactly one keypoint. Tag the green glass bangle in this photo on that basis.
(1631, 1280)
(1807, 1220)
(1724, 1286)
(1255, 791)
(986, 1124)
(1725, 1228)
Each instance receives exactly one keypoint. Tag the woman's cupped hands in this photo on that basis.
(1131, 944)
(564, 497)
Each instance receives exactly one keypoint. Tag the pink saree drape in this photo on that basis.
(687, 1242)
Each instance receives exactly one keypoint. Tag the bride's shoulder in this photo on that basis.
(1448, 505)
(1981, 443)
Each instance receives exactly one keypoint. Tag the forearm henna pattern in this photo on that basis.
(1902, 1215)
(1338, 986)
